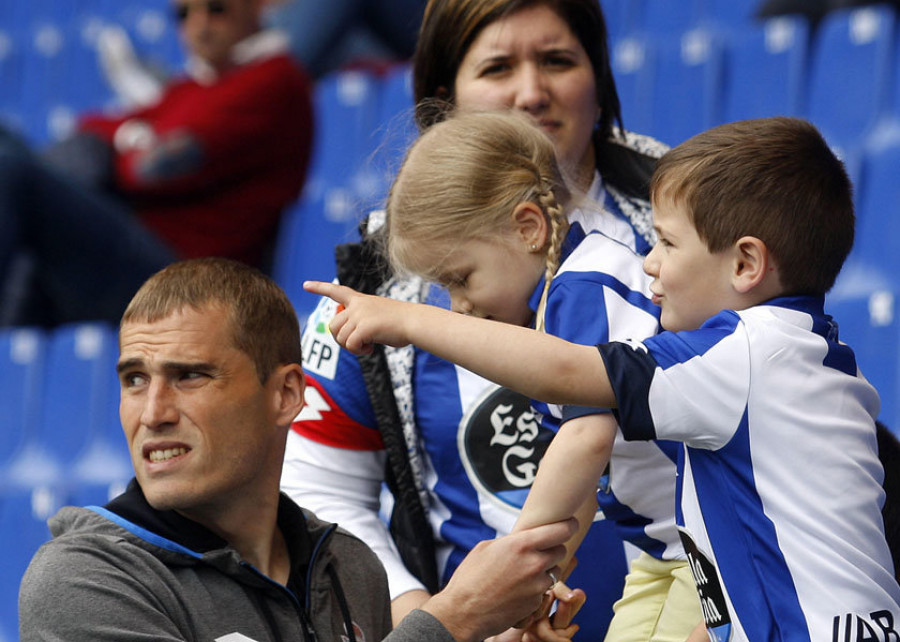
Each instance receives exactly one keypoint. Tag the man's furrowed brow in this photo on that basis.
(128, 364)
(169, 366)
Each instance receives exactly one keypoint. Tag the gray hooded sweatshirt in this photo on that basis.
(129, 572)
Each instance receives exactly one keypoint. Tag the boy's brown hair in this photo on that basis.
(775, 179)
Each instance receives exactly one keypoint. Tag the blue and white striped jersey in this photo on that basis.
(600, 293)
(780, 486)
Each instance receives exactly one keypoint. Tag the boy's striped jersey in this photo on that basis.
(780, 486)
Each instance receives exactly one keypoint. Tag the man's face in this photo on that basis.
(199, 424)
(211, 28)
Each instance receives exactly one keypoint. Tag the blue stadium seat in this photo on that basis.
(668, 20)
(850, 71)
(622, 17)
(21, 370)
(47, 43)
(11, 61)
(878, 209)
(864, 299)
(687, 95)
(346, 108)
(633, 69)
(103, 468)
(869, 324)
(23, 528)
(306, 239)
(396, 127)
(765, 70)
(344, 183)
(74, 405)
(730, 16)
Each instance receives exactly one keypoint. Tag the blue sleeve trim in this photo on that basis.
(144, 534)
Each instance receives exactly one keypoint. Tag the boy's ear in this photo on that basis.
(530, 225)
(752, 264)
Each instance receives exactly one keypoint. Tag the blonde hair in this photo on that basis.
(463, 178)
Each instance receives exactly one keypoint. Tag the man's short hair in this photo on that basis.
(264, 324)
(775, 179)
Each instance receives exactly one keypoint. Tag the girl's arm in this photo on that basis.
(567, 477)
(537, 365)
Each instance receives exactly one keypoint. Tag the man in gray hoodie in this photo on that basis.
(202, 546)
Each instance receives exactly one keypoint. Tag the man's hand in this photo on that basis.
(501, 582)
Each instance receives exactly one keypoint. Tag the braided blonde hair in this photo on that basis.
(463, 178)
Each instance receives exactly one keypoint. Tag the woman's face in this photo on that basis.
(530, 60)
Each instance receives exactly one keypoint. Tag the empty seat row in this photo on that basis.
(843, 77)
(60, 438)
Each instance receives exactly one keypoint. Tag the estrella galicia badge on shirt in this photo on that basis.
(320, 350)
(501, 442)
(709, 587)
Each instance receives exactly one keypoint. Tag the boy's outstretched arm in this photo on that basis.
(538, 365)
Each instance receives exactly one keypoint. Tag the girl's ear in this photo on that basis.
(531, 225)
(752, 265)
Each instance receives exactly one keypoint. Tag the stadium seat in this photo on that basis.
(396, 128)
(23, 528)
(687, 94)
(74, 405)
(622, 17)
(765, 69)
(21, 368)
(633, 60)
(306, 239)
(668, 20)
(865, 297)
(850, 72)
(869, 324)
(47, 42)
(344, 183)
(728, 16)
(11, 60)
(346, 109)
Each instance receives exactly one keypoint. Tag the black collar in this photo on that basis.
(133, 507)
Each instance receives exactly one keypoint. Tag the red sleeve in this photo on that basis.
(254, 117)
(322, 421)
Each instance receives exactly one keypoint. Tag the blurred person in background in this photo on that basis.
(206, 170)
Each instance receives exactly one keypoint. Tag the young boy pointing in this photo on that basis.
(780, 486)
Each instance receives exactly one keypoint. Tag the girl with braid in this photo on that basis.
(481, 207)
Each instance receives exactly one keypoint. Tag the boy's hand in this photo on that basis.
(363, 320)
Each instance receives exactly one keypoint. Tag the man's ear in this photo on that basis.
(752, 264)
(288, 399)
(531, 225)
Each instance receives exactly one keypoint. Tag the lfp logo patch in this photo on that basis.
(320, 350)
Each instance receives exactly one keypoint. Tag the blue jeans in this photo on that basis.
(89, 252)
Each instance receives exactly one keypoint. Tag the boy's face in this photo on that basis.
(689, 283)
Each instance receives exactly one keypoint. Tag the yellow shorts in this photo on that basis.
(659, 603)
